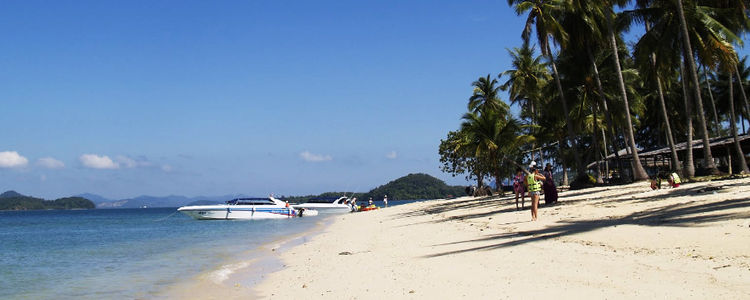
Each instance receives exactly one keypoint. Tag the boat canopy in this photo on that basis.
(325, 199)
(251, 201)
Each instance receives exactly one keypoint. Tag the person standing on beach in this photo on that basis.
(518, 187)
(385, 200)
(534, 182)
(550, 190)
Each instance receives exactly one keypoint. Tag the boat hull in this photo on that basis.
(325, 209)
(236, 212)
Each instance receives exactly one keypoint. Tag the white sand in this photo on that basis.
(615, 242)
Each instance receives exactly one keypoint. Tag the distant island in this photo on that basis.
(410, 187)
(11, 200)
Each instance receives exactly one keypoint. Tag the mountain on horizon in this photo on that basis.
(165, 201)
(94, 198)
(11, 194)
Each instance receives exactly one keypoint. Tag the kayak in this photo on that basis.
(368, 208)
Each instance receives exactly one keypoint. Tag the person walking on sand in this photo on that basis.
(533, 181)
(518, 187)
(550, 190)
(385, 200)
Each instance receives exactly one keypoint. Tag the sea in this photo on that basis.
(128, 253)
(123, 253)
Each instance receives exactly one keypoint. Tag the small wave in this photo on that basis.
(225, 271)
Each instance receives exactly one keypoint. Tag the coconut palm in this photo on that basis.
(639, 173)
(526, 80)
(680, 23)
(650, 69)
(490, 135)
(733, 125)
(691, 70)
(485, 95)
(542, 19)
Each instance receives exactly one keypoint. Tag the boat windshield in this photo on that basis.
(251, 201)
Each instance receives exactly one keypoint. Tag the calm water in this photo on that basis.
(120, 253)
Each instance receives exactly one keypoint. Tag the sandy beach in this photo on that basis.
(606, 242)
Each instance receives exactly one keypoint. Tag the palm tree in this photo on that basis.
(490, 135)
(741, 80)
(526, 80)
(651, 68)
(693, 74)
(588, 22)
(485, 95)
(733, 126)
(639, 173)
(487, 131)
(541, 15)
(689, 167)
(710, 25)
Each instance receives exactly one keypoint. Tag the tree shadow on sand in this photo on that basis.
(493, 205)
(682, 215)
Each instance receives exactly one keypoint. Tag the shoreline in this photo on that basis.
(235, 278)
(617, 241)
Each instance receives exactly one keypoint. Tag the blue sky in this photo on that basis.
(220, 97)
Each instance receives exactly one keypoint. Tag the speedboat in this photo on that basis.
(327, 205)
(245, 208)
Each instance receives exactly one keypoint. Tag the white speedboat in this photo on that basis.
(245, 208)
(327, 205)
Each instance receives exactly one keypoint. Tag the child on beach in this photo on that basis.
(518, 187)
(533, 181)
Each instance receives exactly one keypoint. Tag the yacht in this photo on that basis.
(327, 204)
(246, 208)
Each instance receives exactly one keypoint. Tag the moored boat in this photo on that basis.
(245, 208)
(327, 204)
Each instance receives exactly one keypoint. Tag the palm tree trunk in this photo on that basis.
(562, 162)
(689, 167)
(639, 173)
(607, 115)
(480, 179)
(596, 147)
(742, 90)
(568, 122)
(606, 155)
(717, 125)
(737, 147)
(691, 70)
(670, 139)
(713, 104)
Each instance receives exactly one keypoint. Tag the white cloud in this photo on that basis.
(311, 157)
(166, 168)
(50, 163)
(391, 155)
(98, 162)
(126, 162)
(11, 159)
